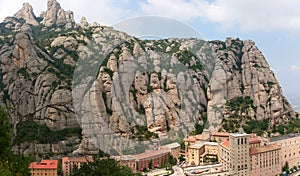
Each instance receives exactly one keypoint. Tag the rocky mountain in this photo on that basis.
(75, 83)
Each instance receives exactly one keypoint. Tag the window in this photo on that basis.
(238, 141)
(242, 141)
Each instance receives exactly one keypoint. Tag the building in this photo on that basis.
(265, 160)
(126, 160)
(68, 163)
(44, 168)
(156, 157)
(194, 153)
(290, 149)
(254, 142)
(200, 151)
(239, 158)
(220, 136)
(174, 149)
(224, 155)
(211, 149)
(190, 140)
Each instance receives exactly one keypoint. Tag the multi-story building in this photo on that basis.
(254, 142)
(290, 149)
(156, 157)
(194, 153)
(224, 155)
(243, 154)
(220, 136)
(174, 149)
(68, 163)
(44, 168)
(265, 160)
(126, 160)
(191, 140)
(197, 152)
(239, 158)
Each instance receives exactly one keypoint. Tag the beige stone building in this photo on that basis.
(265, 160)
(224, 155)
(220, 136)
(190, 140)
(193, 154)
(254, 142)
(44, 168)
(68, 163)
(197, 152)
(174, 149)
(290, 149)
(239, 159)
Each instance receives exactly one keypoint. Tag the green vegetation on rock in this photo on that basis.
(103, 167)
(30, 131)
(10, 164)
(238, 110)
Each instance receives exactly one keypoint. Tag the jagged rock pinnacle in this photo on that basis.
(26, 12)
(55, 15)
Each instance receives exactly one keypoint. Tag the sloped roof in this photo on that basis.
(264, 149)
(44, 164)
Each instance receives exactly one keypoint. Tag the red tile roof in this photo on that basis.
(254, 140)
(81, 159)
(198, 136)
(225, 143)
(264, 149)
(44, 164)
(150, 154)
(193, 138)
(222, 134)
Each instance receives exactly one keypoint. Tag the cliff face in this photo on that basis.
(123, 82)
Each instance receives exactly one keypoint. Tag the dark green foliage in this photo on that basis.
(150, 165)
(5, 131)
(102, 167)
(102, 154)
(186, 56)
(149, 89)
(165, 85)
(31, 131)
(285, 167)
(238, 109)
(63, 71)
(144, 134)
(210, 159)
(293, 126)
(108, 110)
(10, 164)
(181, 158)
(172, 160)
(270, 83)
(182, 145)
(109, 71)
(240, 104)
(256, 126)
(141, 109)
(198, 129)
(23, 72)
(42, 38)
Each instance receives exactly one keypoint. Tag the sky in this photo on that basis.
(273, 25)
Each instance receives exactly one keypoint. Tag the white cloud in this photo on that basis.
(295, 68)
(104, 11)
(247, 15)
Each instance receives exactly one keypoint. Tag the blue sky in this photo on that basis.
(273, 25)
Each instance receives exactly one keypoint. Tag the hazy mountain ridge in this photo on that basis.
(39, 54)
